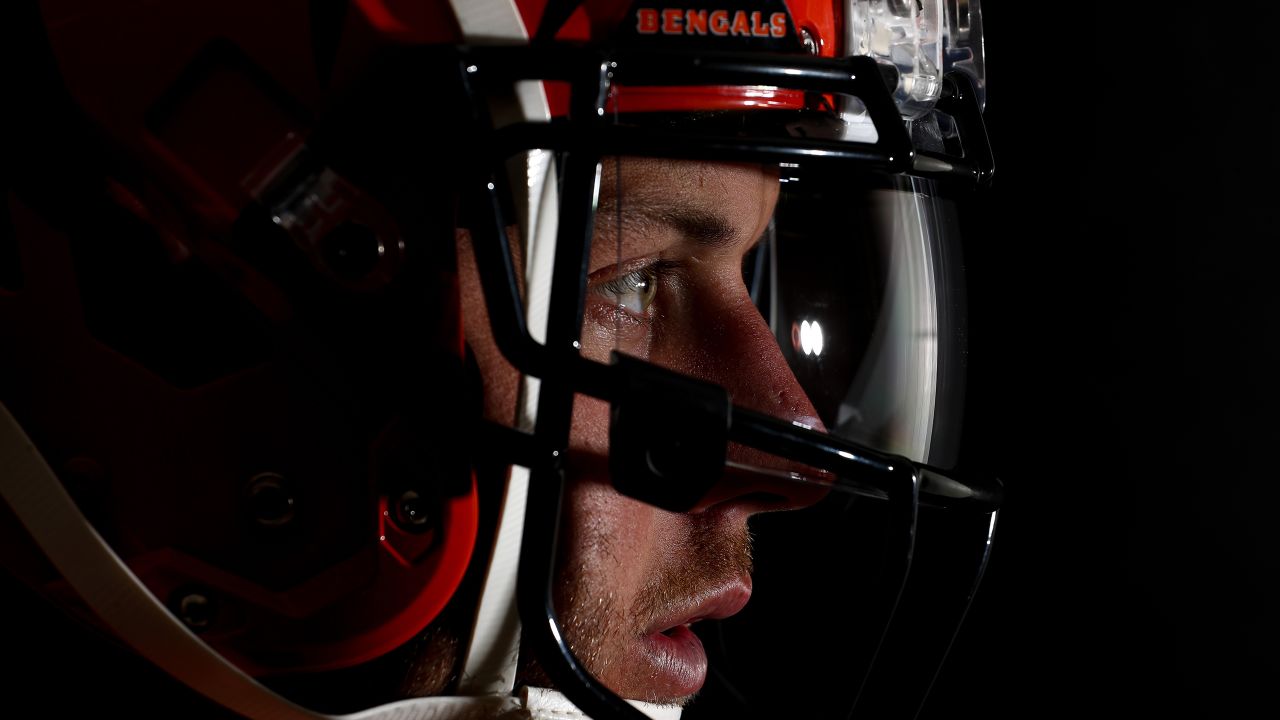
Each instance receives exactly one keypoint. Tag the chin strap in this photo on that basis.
(543, 704)
(492, 656)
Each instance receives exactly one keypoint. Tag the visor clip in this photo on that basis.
(668, 435)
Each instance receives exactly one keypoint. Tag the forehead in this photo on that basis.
(651, 179)
(644, 201)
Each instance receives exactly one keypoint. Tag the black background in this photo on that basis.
(1130, 336)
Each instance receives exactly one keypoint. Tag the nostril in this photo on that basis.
(764, 499)
(731, 498)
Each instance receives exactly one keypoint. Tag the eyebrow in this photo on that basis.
(705, 228)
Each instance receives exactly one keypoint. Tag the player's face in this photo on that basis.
(665, 284)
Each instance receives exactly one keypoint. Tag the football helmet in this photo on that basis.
(519, 342)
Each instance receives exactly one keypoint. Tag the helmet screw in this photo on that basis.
(809, 41)
(195, 609)
(271, 502)
(412, 513)
(352, 250)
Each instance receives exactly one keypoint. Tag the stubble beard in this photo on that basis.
(600, 628)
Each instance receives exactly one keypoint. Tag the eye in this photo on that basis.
(634, 291)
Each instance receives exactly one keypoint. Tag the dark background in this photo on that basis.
(1130, 352)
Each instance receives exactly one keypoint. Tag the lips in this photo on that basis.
(675, 656)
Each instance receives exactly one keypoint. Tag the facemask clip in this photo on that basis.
(668, 435)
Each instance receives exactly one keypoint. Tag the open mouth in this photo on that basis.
(677, 661)
(672, 653)
(680, 628)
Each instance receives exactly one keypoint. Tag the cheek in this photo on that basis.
(590, 431)
(702, 331)
(501, 380)
(610, 543)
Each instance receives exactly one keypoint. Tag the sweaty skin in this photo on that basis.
(665, 284)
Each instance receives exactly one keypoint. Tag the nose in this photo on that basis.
(738, 351)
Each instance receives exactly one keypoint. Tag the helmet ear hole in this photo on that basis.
(352, 250)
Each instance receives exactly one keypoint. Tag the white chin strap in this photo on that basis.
(542, 704)
(490, 665)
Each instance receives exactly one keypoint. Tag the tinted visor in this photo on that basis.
(828, 301)
(832, 302)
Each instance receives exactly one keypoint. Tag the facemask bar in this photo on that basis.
(584, 140)
(900, 681)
